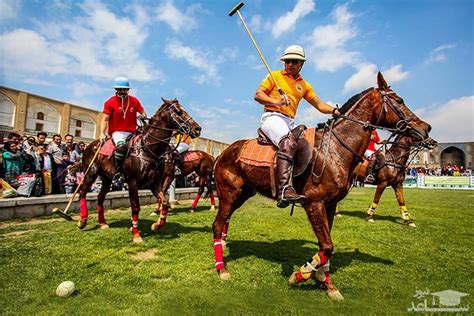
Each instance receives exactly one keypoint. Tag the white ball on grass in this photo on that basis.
(65, 289)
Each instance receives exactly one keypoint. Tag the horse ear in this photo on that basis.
(164, 101)
(381, 82)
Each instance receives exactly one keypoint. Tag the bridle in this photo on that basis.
(184, 127)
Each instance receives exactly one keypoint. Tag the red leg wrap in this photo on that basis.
(300, 277)
(323, 257)
(218, 255)
(328, 277)
(83, 208)
(213, 201)
(163, 216)
(100, 213)
(195, 202)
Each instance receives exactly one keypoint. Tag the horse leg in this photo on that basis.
(85, 186)
(321, 224)
(160, 199)
(135, 205)
(163, 207)
(378, 194)
(213, 200)
(407, 219)
(202, 181)
(105, 188)
(233, 199)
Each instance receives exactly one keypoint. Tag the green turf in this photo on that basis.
(377, 267)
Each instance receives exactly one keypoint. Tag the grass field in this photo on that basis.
(377, 267)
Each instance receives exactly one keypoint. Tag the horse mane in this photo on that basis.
(343, 109)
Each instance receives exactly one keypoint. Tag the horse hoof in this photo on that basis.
(410, 224)
(138, 239)
(156, 226)
(213, 208)
(224, 274)
(335, 295)
(293, 280)
(191, 210)
(371, 220)
(81, 224)
(338, 215)
(104, 226)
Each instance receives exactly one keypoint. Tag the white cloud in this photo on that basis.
(439, 53)
(97, 43)
(177, 20)
(288, 21)
(196, 58)
(256, 24)
(327, 43)
(9, 9)
(452, 121)
(366, 77)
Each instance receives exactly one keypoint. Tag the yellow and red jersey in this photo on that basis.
(183, 139)
(296, 89)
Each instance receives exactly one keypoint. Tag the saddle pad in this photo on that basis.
(108, 148)
(254, 154)
(190, 156)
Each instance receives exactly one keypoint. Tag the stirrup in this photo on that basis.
(370, 178)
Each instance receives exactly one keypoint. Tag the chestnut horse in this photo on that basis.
(142, 168)
(192, 161)
(325, 181)
(393, 172)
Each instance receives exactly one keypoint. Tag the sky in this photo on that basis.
(72, 50)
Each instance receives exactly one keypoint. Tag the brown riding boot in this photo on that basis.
(284, 168)
(370, 178)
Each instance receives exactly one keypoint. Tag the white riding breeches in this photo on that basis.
(276, 126)
(368, 153)
(182, 147)
(119, 136)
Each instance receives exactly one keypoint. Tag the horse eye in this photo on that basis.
(400, 101)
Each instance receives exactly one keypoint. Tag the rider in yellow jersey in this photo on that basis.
(278, 118)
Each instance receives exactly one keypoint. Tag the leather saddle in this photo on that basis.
(303, 153)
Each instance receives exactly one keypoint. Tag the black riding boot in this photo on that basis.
(178, 162)
(370, 178)
(284, 168)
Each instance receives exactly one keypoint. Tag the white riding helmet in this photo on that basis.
(294, 52)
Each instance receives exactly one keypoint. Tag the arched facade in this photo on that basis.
(7, 112)
(43, 117)
(82, 125)
(453, 156)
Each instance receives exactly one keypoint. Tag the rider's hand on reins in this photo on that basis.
(336, 113)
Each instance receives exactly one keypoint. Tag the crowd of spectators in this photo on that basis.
(448, 170)
(44, 168)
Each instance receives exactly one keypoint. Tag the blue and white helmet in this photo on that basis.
(121, 83)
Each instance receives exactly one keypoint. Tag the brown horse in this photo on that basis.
(142, 167)
(325, 181)
(192, 161)
(393, 172)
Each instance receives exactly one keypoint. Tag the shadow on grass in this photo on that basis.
(293, 252)
(170, 231)
(363, 215)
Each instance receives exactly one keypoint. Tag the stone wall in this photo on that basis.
(23, 207)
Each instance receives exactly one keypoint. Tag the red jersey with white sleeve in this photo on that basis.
(123, 115)
(374, 139)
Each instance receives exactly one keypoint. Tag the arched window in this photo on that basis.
(42, 117)
(82, 125)
(7, 111)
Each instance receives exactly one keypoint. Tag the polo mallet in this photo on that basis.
(231, 13)
(64, 213)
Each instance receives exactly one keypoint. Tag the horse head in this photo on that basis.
(172, 116)
(398, 115)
